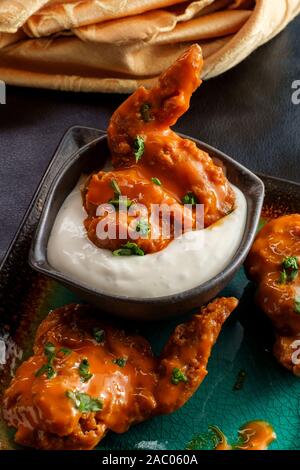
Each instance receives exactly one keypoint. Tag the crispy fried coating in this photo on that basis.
(273, 264)
(144, 147)
(103, 378)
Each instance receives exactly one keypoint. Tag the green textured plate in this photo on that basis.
(266, 392)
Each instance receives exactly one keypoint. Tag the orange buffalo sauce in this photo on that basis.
(120, 376)
(87, 376)
(273, 263)
(154, 165)
(135, 183)
(255, 435)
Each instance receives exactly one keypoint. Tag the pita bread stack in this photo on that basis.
(118, 45)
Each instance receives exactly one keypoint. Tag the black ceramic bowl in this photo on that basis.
(87, 160)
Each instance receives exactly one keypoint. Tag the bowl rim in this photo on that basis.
(44, 267)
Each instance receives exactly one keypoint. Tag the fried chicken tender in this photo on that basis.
(126, 225)
(273, 264)
(154, 165)
(149, 115)
(87, 377)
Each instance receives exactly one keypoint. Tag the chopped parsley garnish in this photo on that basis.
(297, 305)
(293, 275)
(156, 181)
(290, 262)
(120, 201)
(138, 147)
(49, 350)
(122, 252)
(145, 112)
(129, 249)
(207, 440)
(120, 361)
(84, 403)
(84, 370)
(290, 268)
(115, 187)
(99, 335)
(178, 376)
(142, 227)
(65, 351)
(283, 277)
(190, 198)
(46, 369)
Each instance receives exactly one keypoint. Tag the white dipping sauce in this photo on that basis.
(186, 262)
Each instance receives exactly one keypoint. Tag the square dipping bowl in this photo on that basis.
(87, 160)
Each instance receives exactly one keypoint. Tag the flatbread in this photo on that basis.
(267, 20)
(83, 64)
(16, 72)
(10, 38)
(163, 26)
(211, 26)
(14, 13)
(75, 13)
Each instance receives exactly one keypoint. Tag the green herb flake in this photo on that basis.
(65, 351)
(49, 350)
(138, 147)
(46, 369)
(290, 262)
(84, 370)
(120, 361)
(282, 277)
(122, 252)
(143, 227)
(178, 376)
(99, 335)
(145, 112)
(129, 249)
(84, 402)
(207, 440)
(297, 305)
(293, 275)
(190, 198)
(121, 201)
(290, 268)
(115, 187)
(156, 181)
(199, 442)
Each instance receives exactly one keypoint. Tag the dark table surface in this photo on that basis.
(247, 113)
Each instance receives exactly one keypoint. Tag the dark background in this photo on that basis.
(246, 112)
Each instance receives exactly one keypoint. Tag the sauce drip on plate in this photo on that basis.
(253, 435)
